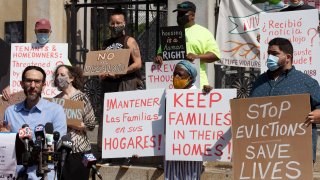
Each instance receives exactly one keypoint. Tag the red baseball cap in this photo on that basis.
(43, 24)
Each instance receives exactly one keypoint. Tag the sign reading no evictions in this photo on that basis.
(112, 61)
(270, 140)
(74, 110)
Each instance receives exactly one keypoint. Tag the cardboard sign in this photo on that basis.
(48, 57)
(301, 30)
(8, 161)
(198, 125)
(173, 43)
(15, 98)
(161, 76)
(113, 61)
(270, 140)
(74, 110)
(133, 123)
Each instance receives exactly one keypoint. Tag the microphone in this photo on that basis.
(39, 132)
(89, 161)
(25, 135)
(49, 133)
(56, 137)
(64, 146)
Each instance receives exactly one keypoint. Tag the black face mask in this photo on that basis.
(183, 20)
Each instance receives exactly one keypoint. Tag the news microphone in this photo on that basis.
(64, 146)
(89, 161)
(25, 134)
(39, 132)
(56, 137)
(49, 133)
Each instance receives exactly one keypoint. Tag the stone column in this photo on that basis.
(52, 10)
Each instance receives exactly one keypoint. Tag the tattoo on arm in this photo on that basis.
(136, 50)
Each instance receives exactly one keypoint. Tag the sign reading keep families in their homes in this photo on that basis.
(48, 57)
(301, 30)
(111, 61)
(270, 139)
(133, 123)
(8, 161)
(161, 75)
(198, 125)
(173, 42)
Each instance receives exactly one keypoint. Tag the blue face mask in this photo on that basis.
(42, 38)
(272, 62)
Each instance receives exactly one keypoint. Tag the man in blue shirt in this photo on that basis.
(34, 110)
(283, 79)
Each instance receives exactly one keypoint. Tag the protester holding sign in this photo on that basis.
(283, 79)
(69, 80)
(199, 40)
(184, 76)
(34, 111)
(119, 40)
(43, 31)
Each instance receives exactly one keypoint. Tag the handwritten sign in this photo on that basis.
(270, 140)
(8, 161)
(48, 57)
(133, 123)
(173, 43)
(301, 30)
(113, 61)
(15, 98)
(198, 125)
(161, 76)
(74, 110)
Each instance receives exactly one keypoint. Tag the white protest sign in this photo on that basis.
(48, 57)
(161, 76)
(301, 30)
(8, 161)
(198, 125)
(133, 123)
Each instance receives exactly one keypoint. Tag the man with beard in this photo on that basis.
(34, 110)
(282, 78)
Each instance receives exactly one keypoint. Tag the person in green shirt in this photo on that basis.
(200, 42)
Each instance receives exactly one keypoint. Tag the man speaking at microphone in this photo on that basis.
(34, 110)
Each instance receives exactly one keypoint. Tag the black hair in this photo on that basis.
(284, 45)
(37, 68)
(74, 72)
(118, 11)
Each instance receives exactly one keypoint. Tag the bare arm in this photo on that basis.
(135, 54)
(208, 57)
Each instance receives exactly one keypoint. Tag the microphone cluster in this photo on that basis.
(46, 148)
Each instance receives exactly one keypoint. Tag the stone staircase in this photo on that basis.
(148, 168)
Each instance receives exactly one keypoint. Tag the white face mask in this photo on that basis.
(62, 82)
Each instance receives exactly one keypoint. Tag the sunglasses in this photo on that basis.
(182, 5)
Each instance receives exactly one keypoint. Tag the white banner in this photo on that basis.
(198, 125)
(161, 76)
(133, 123)
(301, 30)
(237, 31)
(8, 161)
(47, 57)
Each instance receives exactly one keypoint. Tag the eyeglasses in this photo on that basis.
(36, 81)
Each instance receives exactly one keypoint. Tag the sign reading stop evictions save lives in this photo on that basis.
(48, 57)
